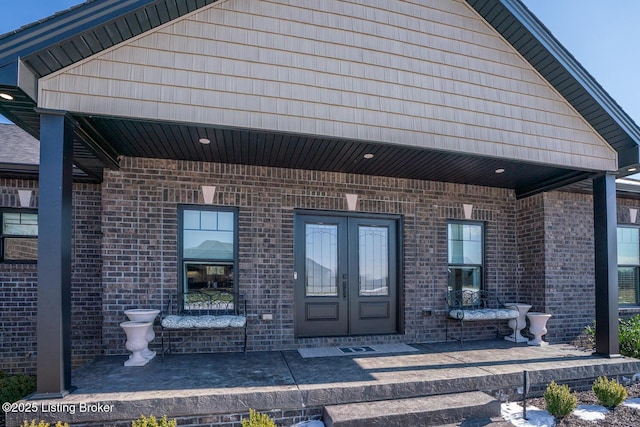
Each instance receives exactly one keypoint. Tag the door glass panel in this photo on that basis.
(321, 259)
(374, 260)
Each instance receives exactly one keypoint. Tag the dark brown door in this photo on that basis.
(345, 275)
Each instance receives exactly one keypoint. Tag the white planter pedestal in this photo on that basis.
(538, 327)
(136, 342)
(518, 323)
(144, 315)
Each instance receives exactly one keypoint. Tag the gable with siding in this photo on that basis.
(430, 74)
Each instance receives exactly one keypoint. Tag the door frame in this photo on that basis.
(399, 223)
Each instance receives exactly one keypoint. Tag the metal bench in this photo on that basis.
(470, 305)
(203, 310)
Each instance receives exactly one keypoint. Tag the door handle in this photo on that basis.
(344, 286)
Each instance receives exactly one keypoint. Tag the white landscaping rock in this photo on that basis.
(633, 403)
(590, 412)
(512, 412)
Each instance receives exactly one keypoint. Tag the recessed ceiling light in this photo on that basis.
(6, 96)
(499, 170)
(204, 141)
(368, 156)
(632, 169)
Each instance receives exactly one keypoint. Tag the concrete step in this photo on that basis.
(419, 411)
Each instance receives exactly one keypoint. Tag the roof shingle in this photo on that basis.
(17, 146)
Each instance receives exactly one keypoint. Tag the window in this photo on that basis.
(19, 237)
(207, 249)
(628, 265)
(465, 255)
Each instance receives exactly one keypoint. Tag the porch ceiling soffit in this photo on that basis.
(617, 136)
(160, 139)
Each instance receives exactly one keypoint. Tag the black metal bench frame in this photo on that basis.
(467, 300)
(204, 302)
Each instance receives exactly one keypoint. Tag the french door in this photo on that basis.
(346, 270)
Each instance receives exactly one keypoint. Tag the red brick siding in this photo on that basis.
(140, 228)
(18, 285)
(570, 264)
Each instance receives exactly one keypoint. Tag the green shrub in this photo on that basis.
(42, 424)
(15, 387)
(629, 335)
(559, 400)
(257, 419)
(590, 331)
(609, 392)
(153, 422)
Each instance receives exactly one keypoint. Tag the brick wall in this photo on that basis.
(538, 250)
(140, 252)
(86, 274)
(531, 250)
(18, 285)
(556, 262)
(569, 264)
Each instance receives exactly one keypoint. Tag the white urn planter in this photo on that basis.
(538, 327)
(518, 323)
(144, 315)
(136, 342)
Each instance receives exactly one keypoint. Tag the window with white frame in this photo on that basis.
(207, 249)
(465, 255)
(19, 236)
(628, 265)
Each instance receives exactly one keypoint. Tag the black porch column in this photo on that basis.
(54, 255)
(606, 258)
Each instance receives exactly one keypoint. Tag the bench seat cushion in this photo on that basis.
(483, 314)
(203, 322)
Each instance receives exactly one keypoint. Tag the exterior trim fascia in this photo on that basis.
(63, 26)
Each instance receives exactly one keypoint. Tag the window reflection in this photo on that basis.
(19, 237)
(373, 260)
(322, 259)
(627, 285)
(201, 276)
(628, 245)
(465, 244)
(628, 265)
(465, 256)
(208, 252)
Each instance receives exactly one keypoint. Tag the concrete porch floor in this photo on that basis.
(210, 389)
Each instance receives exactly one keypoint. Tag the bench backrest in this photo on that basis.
(471, 299)
(208, 302)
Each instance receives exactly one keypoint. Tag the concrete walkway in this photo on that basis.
(231, 383)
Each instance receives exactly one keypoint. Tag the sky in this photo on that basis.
(604, 36)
